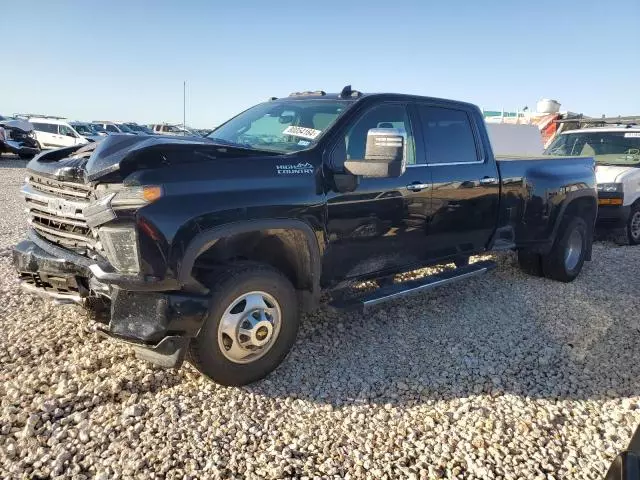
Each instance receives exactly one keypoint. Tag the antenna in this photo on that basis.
(346, 92)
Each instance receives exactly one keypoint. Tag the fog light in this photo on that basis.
(121, 247)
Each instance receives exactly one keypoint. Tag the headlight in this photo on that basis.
(136, 197)
(116, 197)
(610, 187)
(121, 247)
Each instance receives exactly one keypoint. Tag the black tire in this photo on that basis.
(554, 265)
(227, 286)
(26, 156)
(461, 262)
(631, 228)
(530, 263)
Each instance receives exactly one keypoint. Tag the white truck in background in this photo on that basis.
(616, 150)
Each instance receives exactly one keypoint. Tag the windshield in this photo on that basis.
(608, 148)
(285, 126)
(83, 129)
(124, 128)
(136, 128)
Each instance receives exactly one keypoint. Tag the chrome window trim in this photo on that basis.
(444, 164)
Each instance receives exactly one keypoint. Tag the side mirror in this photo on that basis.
(385, 154)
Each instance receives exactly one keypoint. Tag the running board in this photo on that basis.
(411, 287)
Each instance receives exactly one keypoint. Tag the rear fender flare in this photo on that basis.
(569, 199)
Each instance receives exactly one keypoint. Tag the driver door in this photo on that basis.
(380, 226)
(67, 136)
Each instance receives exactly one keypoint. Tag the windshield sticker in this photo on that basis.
(310, 133)
(299, 169)
(304, 143)
(632, 135)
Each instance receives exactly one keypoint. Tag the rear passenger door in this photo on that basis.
(465, 182)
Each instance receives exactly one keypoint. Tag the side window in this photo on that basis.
(44, 127)
(111, 128)
(383, 116)
(64, 130)
(448, 135)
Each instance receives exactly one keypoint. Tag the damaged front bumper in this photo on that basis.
(146, 313)
(18, 148)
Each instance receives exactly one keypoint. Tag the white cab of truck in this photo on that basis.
(617, 153)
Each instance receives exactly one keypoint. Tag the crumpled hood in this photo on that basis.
(612, 173)
(18, 124)
(108, 154)
(124, 154)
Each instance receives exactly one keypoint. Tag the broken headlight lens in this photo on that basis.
(121, 247)
(135, 197)
(115, 197)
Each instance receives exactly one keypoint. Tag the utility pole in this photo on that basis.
(184, 107)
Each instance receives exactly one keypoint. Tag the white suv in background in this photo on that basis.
(166, 129)
(55, 133)
(617, 154)
(113, 127)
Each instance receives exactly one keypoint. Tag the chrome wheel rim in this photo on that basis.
(634, 226)
(249, 327)
(573, 250)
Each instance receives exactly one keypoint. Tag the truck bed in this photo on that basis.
(534, 190)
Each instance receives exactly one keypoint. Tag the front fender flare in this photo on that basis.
(206, 239)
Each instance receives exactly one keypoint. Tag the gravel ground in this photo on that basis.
(501, 377)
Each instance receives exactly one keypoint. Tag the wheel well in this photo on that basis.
(585, 207)
(284, 249)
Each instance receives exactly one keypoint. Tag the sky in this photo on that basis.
(127, 60)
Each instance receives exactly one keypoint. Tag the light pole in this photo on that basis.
(184, 107)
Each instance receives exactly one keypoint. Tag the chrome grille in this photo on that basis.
(55, 212)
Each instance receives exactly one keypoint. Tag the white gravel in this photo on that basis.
(502, 377)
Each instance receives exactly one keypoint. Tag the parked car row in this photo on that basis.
(26, 135)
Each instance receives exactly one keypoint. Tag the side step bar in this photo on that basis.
(411, 287)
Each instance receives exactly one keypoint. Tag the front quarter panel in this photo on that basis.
(630, 185)
(202, 196)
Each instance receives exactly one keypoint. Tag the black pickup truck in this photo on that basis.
(212, 247)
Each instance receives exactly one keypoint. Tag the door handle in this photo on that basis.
(416, 187)
(488, 181)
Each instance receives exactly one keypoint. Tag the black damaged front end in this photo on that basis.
(62, 258)
(18, 141)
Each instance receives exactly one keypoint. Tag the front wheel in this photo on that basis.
(252, 324)
(633, 225)
(566, 258)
